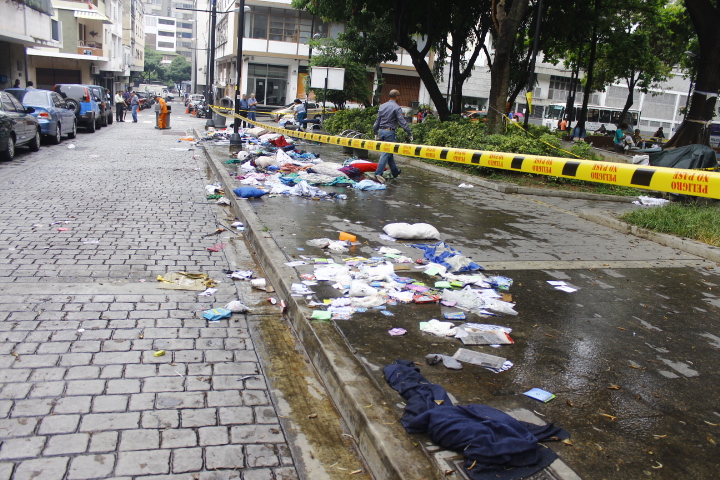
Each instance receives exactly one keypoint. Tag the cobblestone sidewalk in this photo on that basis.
(82, 395)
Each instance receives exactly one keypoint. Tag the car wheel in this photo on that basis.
(72, 105)
(35, 142)
(104, 120)
(9, 153)
(91, 126)
(110, 118)
(58, 135)
(73, 132)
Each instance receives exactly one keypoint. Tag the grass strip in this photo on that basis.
(694, 221)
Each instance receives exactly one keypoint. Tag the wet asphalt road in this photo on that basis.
(632, 355)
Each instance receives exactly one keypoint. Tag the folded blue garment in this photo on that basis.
(369, 185)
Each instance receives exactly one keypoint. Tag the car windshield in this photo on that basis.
(34, 98)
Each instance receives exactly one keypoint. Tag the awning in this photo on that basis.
(92, 15)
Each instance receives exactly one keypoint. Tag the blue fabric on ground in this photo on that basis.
(431, 253)
(249, 192)
(495, 445)
(369, 185)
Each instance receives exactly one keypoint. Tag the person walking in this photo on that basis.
(119, 107)
(300, 113)
(252, 107)
(135, 105)
(389, 117)
(243, 109)
(126, 97)
(17, 83)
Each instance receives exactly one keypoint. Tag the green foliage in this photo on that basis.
(179, 69)
(699, 222)
(359, 120)
(154, 70)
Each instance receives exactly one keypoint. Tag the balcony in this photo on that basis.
(90, 48)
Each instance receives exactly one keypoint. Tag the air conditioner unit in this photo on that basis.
(95, 70)
(539, 93)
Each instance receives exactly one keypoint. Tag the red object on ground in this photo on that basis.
(280, 142)
(365, 166)
(217, 247)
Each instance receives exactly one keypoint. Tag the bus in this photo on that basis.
(596, 116)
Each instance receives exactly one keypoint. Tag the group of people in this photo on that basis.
(127, 101)
(623, 139)
(29, 85)
(248, 107)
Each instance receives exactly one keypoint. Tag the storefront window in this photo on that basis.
(268, 83)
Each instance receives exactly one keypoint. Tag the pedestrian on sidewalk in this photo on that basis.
(135, 105)
(252, 107)
(300, 113)
(243, 109)
(389, 117)
(119, 107)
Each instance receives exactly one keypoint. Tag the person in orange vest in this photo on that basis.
(162, 116)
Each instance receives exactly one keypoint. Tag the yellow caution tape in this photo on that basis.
(672, 180)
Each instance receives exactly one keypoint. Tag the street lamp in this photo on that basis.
(235, 140)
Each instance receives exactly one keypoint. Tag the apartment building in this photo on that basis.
(23, 26)
(133, 38)
(275, 54)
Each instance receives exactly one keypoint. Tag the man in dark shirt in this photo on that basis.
(389, 117)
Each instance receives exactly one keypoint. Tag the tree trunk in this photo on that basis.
(506, 23)
(378, 89)
(456, 103)
(630, 100)
(589, 79)
(426, 75)
(705, 16)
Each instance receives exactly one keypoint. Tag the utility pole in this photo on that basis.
(531, 78)
(211, 72)
(235, 140)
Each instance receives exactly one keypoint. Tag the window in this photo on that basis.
(185, 25)
(56, 30)
(7, 104)
(165, 21)
(166, 34)
(166, 45)
(283, 25)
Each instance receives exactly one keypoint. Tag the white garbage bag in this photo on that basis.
(415, 231)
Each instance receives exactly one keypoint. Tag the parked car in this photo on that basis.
(195, 97)
(102, 94)
(17, 126)
(476, 115)
(313, 111)
(51, 112)
(82, 101)
(146, 100)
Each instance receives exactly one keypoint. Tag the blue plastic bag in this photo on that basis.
(217, 314)
(249, 192)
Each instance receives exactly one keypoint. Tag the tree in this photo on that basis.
(705, 17)
(334, 53)
(179, 69)
(154, 69)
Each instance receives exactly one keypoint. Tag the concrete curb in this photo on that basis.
(373, 423)
(503, 187)
(686, 245)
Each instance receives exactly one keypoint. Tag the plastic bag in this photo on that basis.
(236, 306)
(415, 231)
(499, 306)
(242, 155)
(361, 289)
(465, 298)
(217, 314)
(249, 192)
(368, 302)
(319, 242)
(337, 246)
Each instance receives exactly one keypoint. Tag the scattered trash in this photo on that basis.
(217, 247)
(397, 332)
(159, 353)
(539, 394)
(448, 257)
(249, 192)
(217, 314)
(241, 275)
(441, 329)
(237, 224)
(651, 201)
(71, 146)
(415, 231)
(465, 185)
(477, 358)
(186, 281)
(236, 306)
(208, 293)
(62, 229)
(492, 337)
(562, 286)
(454, 315)
(349, 237)
(259, 283)
(369, 185)
(321, 315)
(223, 201)
(447, 361)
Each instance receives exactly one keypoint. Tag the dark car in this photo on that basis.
(104, 100)
(17, 126)
(146, 100)
(51, 111)
(82, 101)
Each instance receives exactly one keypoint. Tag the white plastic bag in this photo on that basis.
(368, 302)
(319, 242)
(236, 306)
(499, 306)
(361, 289)
(415, 231)
(466, 298)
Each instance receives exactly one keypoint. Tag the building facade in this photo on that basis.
(23, 25)
(275, 54)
